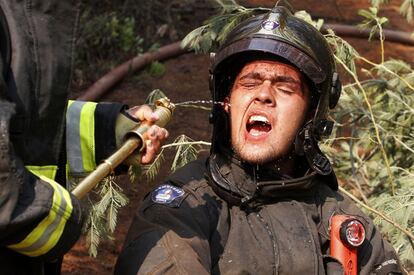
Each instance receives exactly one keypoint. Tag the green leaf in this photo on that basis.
(342, 49)
(150, 171)
(156, 69)
(406, 9)
(209, 36)
(377, 3)
(185, 152)
(154, 96)
(307, 17)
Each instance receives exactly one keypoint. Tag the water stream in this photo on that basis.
(198, 102)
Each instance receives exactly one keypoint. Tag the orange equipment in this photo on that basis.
(347, 233)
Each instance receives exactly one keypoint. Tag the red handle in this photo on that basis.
(347, 233)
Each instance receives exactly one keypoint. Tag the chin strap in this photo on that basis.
(306, 144)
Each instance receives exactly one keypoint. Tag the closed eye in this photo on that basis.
(288, 87)
(250, 83)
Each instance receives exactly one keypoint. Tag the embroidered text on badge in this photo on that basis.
(168, 194)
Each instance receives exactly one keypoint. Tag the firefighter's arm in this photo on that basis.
(38, 217)
(95, 130)
(44, 219)
(169, 235)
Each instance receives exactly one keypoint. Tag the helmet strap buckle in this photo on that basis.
(309, 147)
(323, 128)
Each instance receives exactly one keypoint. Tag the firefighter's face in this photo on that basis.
(268, 104)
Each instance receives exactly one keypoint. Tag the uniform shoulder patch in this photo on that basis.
(168, 194)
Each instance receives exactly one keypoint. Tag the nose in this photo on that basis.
(265, 94)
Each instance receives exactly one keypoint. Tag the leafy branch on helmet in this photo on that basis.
(209, 36)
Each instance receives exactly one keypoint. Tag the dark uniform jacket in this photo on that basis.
(225, 217)
(41, 135)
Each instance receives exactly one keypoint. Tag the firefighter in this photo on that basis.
(261, 203)
(43, 138)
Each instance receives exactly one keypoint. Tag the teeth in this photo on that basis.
(258, 118)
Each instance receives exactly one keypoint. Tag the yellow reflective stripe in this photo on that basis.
(48, 171)
(87, 136)
(70, 102)
(47, 233)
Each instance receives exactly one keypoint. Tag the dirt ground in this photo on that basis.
(186, 78)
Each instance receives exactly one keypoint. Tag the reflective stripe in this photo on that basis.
(80, 137)
(47, 233)
(73, 147)
(87, 130)
(70, 103)
(48, 171)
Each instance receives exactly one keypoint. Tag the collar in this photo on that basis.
(241, 183)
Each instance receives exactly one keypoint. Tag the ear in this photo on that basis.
(226, 102)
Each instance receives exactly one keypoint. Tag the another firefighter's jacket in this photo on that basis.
(224, 217)
(43, 139)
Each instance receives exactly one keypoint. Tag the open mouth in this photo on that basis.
(258, 125)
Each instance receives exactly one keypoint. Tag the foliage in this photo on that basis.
(374, 141)
(108, 34)
(400, 207)
(306, 17)
(156, 69)
(103, 214)
(406, 7)
(150, 171)
(212, 33)
(372, 21)
(377, 151)
(111, 32)
(186, 150)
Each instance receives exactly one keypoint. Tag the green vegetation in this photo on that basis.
(109, 37)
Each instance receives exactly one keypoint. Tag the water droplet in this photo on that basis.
(199, 102)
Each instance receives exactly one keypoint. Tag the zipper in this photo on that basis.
(273, 240)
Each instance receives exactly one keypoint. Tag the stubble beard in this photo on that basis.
(256, 154)
(261, 154)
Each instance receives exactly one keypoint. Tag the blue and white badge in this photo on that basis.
(168, 194)
(270, 25)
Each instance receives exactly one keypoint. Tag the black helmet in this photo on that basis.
(278, 35)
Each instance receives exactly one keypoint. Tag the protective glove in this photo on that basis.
(131, 118)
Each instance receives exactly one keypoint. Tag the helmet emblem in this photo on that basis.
(270, 25)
